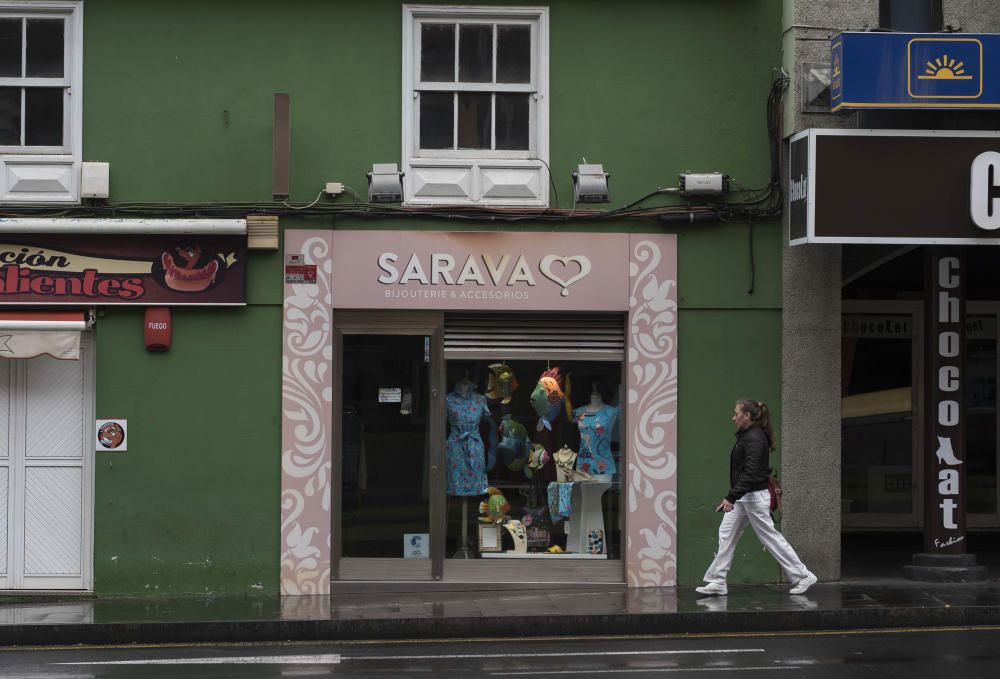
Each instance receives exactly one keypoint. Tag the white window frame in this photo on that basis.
(48, 174)
(476, 176)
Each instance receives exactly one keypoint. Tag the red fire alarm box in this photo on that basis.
(157, 328)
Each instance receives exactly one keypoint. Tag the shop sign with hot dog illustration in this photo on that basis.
(193, 270)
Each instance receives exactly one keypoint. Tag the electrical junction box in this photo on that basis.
(703, 184)
(95, 180)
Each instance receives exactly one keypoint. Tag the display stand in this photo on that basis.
(464, 551)
(587, 515)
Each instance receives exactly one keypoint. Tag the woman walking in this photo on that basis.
(748, 501)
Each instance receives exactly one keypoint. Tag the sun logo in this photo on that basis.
(945, 68)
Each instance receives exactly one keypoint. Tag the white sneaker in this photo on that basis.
(802, 585)
(713, 589)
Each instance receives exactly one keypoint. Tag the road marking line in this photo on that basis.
(562, 654)
(682, 636)
(670, 669)
(328, 659)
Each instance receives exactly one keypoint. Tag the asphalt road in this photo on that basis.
(968, 653)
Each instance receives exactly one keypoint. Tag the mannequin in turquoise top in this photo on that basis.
(596, 421)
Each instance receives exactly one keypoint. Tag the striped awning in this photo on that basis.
(27, 334)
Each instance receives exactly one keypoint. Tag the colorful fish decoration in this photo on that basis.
(502, 383)
(538, 457)
(494, 508)
(548, 398)
(513, 446)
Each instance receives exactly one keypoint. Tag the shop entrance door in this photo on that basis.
(388, 469)
(46, 453)
(881, 470)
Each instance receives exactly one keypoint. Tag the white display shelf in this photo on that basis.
(541, 555)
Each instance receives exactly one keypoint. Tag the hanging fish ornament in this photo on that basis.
(502, 383)
(538, 457)
(548, 398)
(513, 446)
(494, 508)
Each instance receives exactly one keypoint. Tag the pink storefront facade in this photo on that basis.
(368, 432)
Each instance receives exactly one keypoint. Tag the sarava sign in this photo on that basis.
(103, 270)
(473, 270)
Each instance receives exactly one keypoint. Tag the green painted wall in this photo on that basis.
(177, 97)
(193, 505)
(177, 93)
(725, 355)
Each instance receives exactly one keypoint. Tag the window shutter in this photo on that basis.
(598, 337)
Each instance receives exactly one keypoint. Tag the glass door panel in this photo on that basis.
(878, 407)
(385, 473)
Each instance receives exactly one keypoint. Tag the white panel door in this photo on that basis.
(6, 497)
(48, 486)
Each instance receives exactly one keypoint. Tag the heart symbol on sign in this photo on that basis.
(545, 266)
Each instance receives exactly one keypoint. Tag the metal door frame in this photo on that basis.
(391, 323)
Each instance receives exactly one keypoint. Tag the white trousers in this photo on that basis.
(753, 508)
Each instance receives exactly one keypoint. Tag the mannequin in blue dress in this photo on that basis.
(465, 459)
(464, 450)
(596, 422)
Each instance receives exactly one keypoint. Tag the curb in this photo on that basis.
(478, 628)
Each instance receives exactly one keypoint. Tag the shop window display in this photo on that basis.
(533, 458)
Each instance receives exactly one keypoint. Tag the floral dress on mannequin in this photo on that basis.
(594, 456)
(464, 450)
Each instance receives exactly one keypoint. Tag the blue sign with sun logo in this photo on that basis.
(906, 70)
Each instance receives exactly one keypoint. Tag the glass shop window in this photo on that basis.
(533, 459)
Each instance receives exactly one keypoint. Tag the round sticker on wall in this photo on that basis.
(112, 435)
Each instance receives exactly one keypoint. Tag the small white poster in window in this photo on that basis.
(112, 435)
(416, 546)
(390, 394)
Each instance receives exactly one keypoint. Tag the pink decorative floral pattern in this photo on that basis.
(650, 470)
(651, 477)
(306, 418)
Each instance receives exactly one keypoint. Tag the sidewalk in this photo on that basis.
(869, 603)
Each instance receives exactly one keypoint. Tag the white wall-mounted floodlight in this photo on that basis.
(590, 184)
(385, 183)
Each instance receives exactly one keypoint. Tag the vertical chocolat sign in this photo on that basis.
(944, 506)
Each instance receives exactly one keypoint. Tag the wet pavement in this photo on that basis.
(964, 652)
(871, 603)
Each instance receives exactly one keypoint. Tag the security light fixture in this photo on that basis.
(590, 184)
(385, 183)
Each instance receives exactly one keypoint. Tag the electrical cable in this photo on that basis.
(304, 207)
(552, 182)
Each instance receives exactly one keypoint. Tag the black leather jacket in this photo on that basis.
(748, 470)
